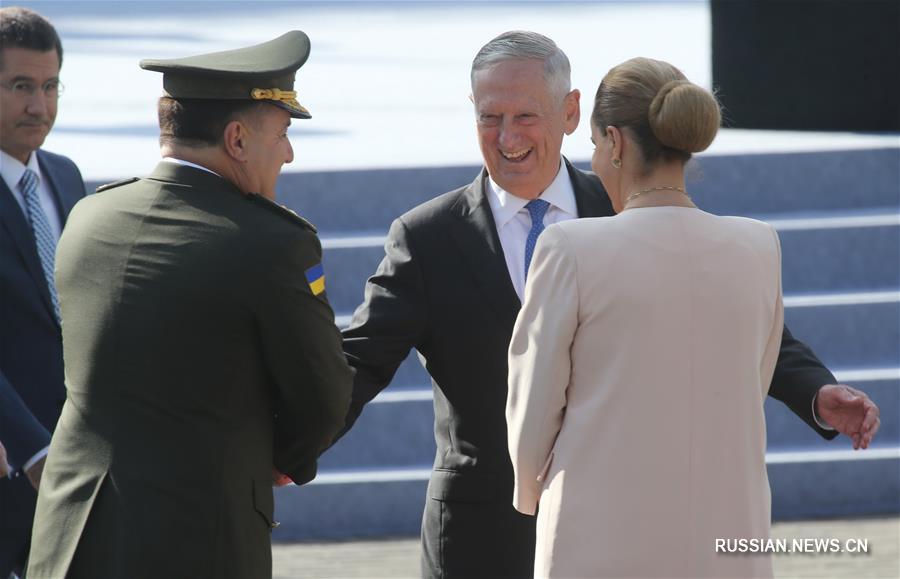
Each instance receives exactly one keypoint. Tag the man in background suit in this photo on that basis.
(37, 191)
(450, 286)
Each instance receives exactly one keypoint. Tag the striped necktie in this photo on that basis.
(537, 208)
(43, 237)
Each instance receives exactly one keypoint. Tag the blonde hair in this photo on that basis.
(669, 116)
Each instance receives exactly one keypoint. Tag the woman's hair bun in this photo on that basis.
(684, 116)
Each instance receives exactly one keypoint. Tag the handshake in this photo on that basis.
(279, 479)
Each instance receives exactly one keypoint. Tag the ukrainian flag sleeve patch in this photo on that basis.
(315, 276)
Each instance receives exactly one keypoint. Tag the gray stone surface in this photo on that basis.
(399, 558)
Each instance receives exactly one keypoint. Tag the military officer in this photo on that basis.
(201, 352)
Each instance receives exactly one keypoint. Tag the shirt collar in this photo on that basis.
(13, 169)
(559, 194)
(189, 164)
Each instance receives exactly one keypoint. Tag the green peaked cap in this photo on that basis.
(262, 72)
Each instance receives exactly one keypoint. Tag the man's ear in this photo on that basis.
(233, 139)
(572, 106)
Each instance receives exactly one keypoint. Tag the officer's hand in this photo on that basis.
(4, 466)
(279, 479)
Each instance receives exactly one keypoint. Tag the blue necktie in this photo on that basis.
(537, 208)
(43, 237)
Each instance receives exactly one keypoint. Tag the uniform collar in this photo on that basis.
(189, 164)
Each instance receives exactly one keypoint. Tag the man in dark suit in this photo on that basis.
(201, 352)
(450, 286)
(37, 191)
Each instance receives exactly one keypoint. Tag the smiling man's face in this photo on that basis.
(521, 124)
(26, 119)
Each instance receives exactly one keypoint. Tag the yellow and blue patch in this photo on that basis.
(315, 276)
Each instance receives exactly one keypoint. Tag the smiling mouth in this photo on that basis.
(517, 156)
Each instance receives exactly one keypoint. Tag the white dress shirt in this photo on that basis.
(514, 222)
(12, 170)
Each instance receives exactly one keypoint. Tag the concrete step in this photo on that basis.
(391, 433)
(839, 259)
(367, 200)
(785, 432)
(786, 182)
(349, 510)
(864, 335)
(804, 485)
(361, 200)
(852, 484)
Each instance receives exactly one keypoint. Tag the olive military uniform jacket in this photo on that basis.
(198, 356)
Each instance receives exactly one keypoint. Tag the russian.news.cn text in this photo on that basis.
(812, 545)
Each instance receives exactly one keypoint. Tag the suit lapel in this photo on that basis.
(63, 199)
(476, 236)
(590, 197)
(13, 220)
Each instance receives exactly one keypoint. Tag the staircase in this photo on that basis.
(838, 216)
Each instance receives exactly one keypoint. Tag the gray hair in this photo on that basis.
(518, 44)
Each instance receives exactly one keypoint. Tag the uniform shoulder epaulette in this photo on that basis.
(115, 184)
(282, 210)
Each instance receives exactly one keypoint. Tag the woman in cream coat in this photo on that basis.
(642, 356)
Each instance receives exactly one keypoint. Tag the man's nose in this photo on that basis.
(509, 135)
(37, 103)
(290, 153)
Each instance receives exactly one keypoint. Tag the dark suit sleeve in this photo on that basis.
(20, 432)
(798, 376)
(390, 321)
(302, 349)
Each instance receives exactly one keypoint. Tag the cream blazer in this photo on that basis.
(638, 368)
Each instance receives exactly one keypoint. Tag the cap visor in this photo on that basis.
(297, 113)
